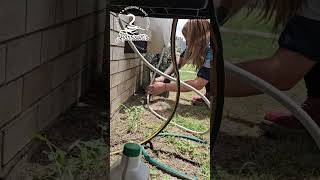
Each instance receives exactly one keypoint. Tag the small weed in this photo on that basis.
(166, 178)
(134, 115)
(185, 146)
(154, 173)
(151, 130)
(171, 140)
(80, 161)
(190, 123)
(205, 169)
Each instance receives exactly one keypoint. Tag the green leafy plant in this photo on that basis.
(155, 58)
(81, 160)
(190, 123)
(133, 115)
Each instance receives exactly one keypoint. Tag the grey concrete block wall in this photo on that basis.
(40, 14)
(3, 54)
(65, 10)
(23, 55)
(53, 42)
(36, 84)
(125, 70)
(10, 100)
(18, 133)
(49, 56)
(13, 18)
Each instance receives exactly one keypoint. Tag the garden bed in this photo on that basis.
(73, 148)
(184, 155)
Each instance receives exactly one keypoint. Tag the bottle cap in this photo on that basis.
(132, 150)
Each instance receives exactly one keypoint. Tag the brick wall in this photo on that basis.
(50, 52)
(125, 69)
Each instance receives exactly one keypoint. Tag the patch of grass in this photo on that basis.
(154, 174)
(196, 151)
(185, 146)
(81, 160)
(202, 156)
(166, 178)
(134, 115)
(151, 129)
(205, 169)
(170, 139)
(190, 123)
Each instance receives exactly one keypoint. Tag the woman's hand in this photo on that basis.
(159, 79)
(156, 88)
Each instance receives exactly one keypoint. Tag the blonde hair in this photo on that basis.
(280, 10)
(197, 33)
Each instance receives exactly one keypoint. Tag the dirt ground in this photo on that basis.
(190, 157)
(243, 151)
(80, 122)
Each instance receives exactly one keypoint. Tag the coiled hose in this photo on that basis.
(217, 74)
(164, 119)
(148, 158)
(173, 38)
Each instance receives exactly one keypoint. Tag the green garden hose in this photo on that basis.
(166, 168)
(192, 138)
(173, 37)
(215, 117)
(164, 119)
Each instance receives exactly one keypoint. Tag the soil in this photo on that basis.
(163, 150)
(243, 150)
(80, 122)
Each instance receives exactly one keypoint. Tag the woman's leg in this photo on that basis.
(300, 36)
(203, 73)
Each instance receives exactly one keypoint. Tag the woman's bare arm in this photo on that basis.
(170, 70)
(283, 70)
(159, 87)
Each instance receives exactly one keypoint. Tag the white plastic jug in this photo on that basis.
(130, 166)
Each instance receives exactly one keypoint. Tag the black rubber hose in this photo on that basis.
(217, 73)
(173, 36)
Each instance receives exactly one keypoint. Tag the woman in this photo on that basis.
(197, 35)
(298, 57)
